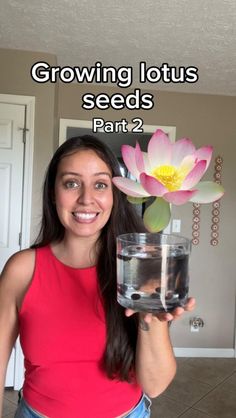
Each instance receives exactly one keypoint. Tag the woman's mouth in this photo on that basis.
(85, 217)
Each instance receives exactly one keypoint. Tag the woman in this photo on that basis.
(85, 355)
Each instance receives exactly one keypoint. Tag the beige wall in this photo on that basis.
(15, 79)
(207, 119)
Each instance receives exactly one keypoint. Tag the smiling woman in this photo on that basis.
(60, 296)
(83, 194)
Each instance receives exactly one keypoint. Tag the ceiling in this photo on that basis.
(200, 33)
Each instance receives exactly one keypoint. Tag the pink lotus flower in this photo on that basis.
(169, 171)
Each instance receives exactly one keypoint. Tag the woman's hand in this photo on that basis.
(166, 316)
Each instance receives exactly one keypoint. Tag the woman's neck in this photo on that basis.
(78, 253)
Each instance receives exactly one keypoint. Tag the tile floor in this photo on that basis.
(202, 388)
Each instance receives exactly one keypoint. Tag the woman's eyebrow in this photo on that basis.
(102, 173)
(72, 173)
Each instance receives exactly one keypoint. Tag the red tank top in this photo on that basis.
(63, 334)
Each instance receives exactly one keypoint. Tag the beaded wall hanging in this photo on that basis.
(216, 205)
(215, 211)
(196, 223)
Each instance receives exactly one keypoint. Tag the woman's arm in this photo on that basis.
(155, 361)
(8, 330)
(14, 282)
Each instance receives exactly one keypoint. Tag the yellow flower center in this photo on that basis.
(169, 176)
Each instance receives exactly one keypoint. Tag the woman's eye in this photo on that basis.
(101, 186)
(71, 185)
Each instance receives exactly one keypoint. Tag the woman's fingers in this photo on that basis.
(129, 312)
(165, 316)
(190, 305)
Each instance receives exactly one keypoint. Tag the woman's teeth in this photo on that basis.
(84, 216)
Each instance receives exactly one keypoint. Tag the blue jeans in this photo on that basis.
(25, 411)
(141, 410)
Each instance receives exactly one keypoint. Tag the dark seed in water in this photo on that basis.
(155, 296)
(135, 296)
(122, 289)
(123, 257)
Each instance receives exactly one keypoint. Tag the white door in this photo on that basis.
(12, 119)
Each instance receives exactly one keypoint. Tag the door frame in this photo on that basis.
(29, 103)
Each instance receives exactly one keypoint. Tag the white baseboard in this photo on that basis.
(205, 352)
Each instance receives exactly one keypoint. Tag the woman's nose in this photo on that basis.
(85, 195)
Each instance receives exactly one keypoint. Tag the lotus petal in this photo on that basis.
(204, 153)
(207, 192)
(139, 158)
(187, 164)
(180, 149)
(152, 185)
(128, 155)
(147, 167)
(129, 187)
(157, 215)
(159, 149)
(195, 175)
(179, 197)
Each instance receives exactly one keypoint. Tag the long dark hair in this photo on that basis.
(119, 355)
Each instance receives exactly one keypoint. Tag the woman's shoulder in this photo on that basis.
(20, 264)
(17, 275)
